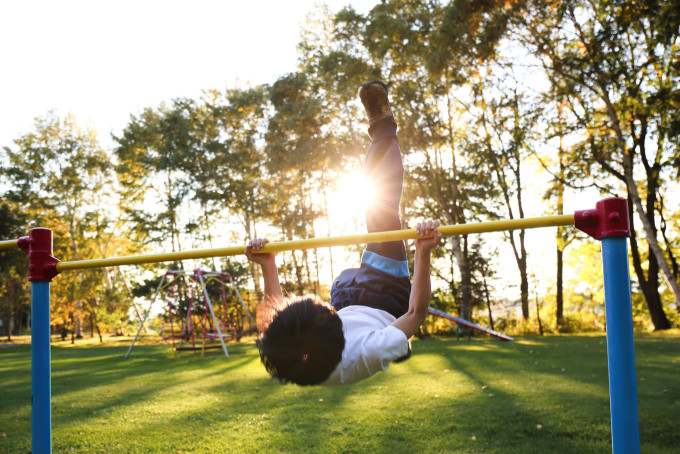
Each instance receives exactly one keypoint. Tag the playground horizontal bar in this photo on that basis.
(311, 243)
(8, 244)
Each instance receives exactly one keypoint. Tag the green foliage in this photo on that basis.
(444, 301)
(60, 176)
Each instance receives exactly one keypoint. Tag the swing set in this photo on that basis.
(182, 333)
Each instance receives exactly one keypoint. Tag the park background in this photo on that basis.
(218, 132)
(141, 127)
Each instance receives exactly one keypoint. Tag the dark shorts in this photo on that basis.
(387, 288)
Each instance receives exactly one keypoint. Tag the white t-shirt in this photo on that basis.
(371, 343)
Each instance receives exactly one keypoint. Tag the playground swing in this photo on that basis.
(230, 328)
(185, 330)
(193, 332)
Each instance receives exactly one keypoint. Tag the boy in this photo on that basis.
(374, 309)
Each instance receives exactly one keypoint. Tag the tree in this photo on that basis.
(228, 175)
(298, 149)
(612, 63)
(60, 175)
(14, 291)
(153, 152)
(555, 194)
(505, 137)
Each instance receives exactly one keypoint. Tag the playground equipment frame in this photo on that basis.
(607, 222)
(464, 322)
(202, 277)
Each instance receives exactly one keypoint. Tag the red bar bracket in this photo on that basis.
(23, 243)
(608, 218)
(41, 265)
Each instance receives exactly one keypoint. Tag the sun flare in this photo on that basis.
(347, 204)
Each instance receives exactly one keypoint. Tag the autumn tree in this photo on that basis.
(613, 64)
(60, 177)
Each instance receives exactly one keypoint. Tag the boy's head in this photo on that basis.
(303, 343)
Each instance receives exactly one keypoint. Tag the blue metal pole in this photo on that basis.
(620, 350)
(41, 389)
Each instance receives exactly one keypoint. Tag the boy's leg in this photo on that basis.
(384, 168)
(382, 281)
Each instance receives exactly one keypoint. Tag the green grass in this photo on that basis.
(537, 394)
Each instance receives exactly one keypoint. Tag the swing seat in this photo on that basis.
(214, 336)
(167, 334)
(197, 348)
(228, 332)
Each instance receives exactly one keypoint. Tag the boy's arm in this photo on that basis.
(421, 290)
(272, 287)
(270, 272)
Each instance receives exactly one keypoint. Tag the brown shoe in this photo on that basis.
(374, 98)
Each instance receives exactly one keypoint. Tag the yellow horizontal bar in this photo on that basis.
(311, 243)
(8, 244)
(150, 258)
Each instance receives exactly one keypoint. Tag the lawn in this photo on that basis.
(537, 394)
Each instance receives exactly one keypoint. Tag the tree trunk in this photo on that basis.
(79, 321)
(73, 331)
(455, 215)
(538, 316)
(524, 278)
(488, 302)
(465, 285)
(675, 268)
(8, 325)
(648, 284)
(654, 304)
(298, 275)
(559, 291)
(560, 240)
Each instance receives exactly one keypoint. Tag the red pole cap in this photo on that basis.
(609, 218)
(41, 265)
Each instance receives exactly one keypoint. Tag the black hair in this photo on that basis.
(379, 82)
(303, 343)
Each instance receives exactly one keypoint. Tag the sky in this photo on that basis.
(104, 61)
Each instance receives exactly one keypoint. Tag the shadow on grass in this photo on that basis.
(88, 381)
(535, 395)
